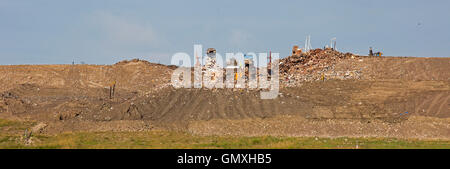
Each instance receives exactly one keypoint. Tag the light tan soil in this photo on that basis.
(395, 97)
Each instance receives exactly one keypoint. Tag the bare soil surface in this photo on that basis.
(391, 97)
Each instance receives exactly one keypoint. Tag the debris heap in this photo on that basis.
(317, 64)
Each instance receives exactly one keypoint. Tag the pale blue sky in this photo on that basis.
(107, 31)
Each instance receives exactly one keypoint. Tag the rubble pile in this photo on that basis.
(124, 62)
(141, 61)
(317, 64)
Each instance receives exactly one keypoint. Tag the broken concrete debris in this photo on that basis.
(312, 65)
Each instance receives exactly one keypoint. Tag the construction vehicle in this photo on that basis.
(378, 53)
(211, 59)
(248, 60)
(374, 54)
(211, 52)
(296, 51)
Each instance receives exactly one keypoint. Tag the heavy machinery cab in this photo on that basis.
(211, 52)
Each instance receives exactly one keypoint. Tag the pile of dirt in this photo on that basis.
(76, 97)
(398, 68)
(136, 75)
(140, 61)
(311, 66)
(311, 61)
(177, 108)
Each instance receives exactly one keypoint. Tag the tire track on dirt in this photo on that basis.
(445, 102)
(434, 101)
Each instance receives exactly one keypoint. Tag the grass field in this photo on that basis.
(11, 138)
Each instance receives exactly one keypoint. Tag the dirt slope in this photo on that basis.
(135, 75)
(389, 94)
(400, 68)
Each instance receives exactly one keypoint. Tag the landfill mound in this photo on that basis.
(170, 108)
(318, 91)
(312, 61)
(398, 68)
(327, 64)
(135, 75)
(316, 64)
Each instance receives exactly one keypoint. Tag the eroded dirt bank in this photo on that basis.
(408, 101)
